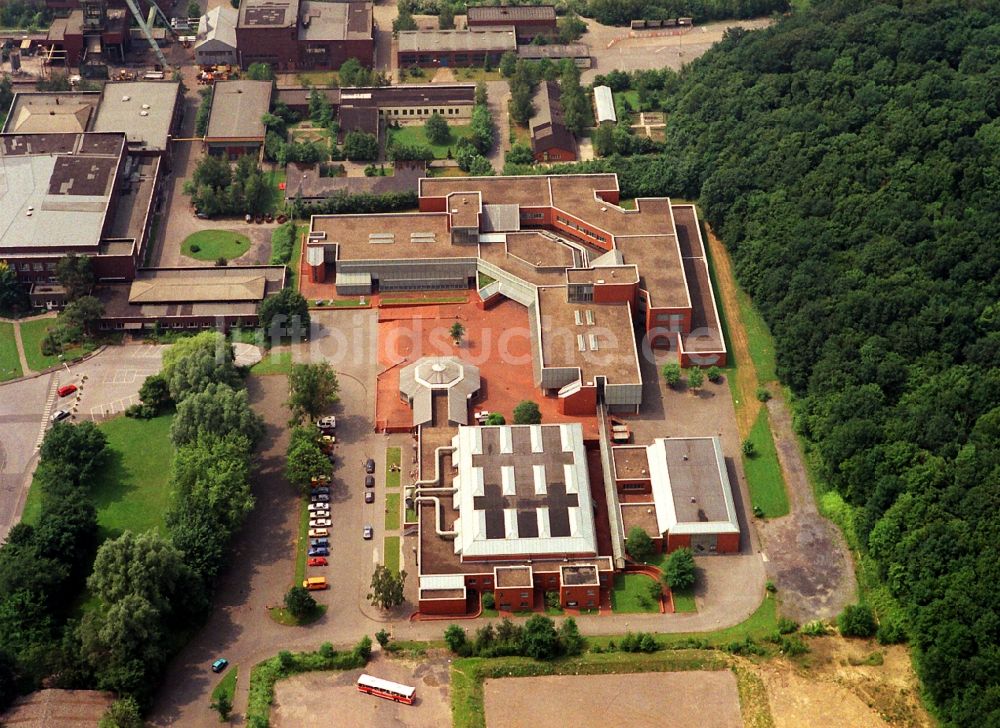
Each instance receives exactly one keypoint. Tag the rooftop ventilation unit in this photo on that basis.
(382, 238)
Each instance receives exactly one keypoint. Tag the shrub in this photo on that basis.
(763, 394)
(455, 637)
(891, 632)
(326, 650)
(552, 600)
(787, 626)
(714, 374)
(363, 650)
(382, 637)
(748, 449)
(195, 248)
(639, 545)
(489, 601)
(793, 646)
(815, 628)
(770, 587)
(857, 620)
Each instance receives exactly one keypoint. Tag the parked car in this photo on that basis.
(368, 532)
(319, 498)
(369, 481)
(318, 551)
(315, 583)
(320, 514)
(369, 496)
(318, 506)
(322, 543)
(320, 523)
(321, 490)
(327, 423)
(318, 561)
(219, 665)
(59, 415)
(369, 466)
(66, 390)
(319, 532)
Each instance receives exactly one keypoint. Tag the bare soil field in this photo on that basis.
(681, 699)
(825, 689)
(322, 699)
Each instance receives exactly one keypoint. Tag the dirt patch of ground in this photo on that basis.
(332, 699)
(692, 699)
(745, 382)
(825, 689)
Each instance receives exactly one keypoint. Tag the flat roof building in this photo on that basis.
(147, 111)
(294, 34)
(235, 125)
(678, 491)
(439, 376)
(579, 52)
(80, 193)
(456, 48)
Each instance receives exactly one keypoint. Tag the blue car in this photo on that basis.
(219, 665)
(319, 551)
(319, 543)
(322, 489)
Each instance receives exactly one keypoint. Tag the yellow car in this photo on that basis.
(318, 532)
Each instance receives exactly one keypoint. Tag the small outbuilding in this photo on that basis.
(551, 140)
(216, 44)
(447, 379)
(604, 106)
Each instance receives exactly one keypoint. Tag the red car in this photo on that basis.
(66, 390)
(317, 561)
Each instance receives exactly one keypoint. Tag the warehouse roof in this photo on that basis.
(431, 41)
(143, 110)
(513, 13)
(523, 490)
(269, 13)
(691, 487)
(218, 24)
(548, 129)
(237, 108)
(553, 50)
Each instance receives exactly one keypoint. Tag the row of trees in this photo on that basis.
(343, 202)
(538, 638)
(620, 12)
(43, 567)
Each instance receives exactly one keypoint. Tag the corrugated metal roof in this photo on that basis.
(605, 103)
(501, 218)
(513, 13)
(429, 41)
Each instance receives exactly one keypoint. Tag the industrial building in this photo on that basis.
(216, 44)
(528, 21)
(578, 52)
(551, 140)
(74, 193)
(455, 48)
(301, 34)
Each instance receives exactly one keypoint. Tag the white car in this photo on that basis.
(327, 423)
(318, 506)
(320, 522)
(321, 498)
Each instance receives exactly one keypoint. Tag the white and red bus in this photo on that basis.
(386, 689)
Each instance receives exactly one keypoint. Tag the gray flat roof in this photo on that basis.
(513, 13)
(55, 188)
(335, 21)
(268, 13)
(237, 108)
(429, 41)
(144, 110)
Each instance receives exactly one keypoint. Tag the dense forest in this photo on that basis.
(849, 157)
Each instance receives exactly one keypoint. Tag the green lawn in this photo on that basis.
(132, 491)
(484, 280)
(318, 78)
(227, 685)
(341, 303)
(631, 594)
(392, 512)
(415, 136)
(32, 333)
(759, 338)
(767, 485)
(293, 264)
(283, 616)
(390, 553)
(393, 457)
(277, 202)
(684, 601)
(214, 244)
(273, 363)
(10, 364)
(411, 515)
